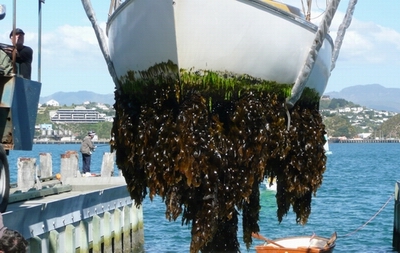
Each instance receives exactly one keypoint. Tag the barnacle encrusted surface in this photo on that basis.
(204, 141)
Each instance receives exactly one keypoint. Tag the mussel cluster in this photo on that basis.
(204, 145)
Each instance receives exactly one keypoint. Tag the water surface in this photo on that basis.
(359, 180)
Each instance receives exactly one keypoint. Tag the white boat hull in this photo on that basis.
(298, 244)
(241, 37)
(326, 146)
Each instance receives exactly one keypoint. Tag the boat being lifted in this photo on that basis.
(253, 37)
(264, 39)
(211, 98)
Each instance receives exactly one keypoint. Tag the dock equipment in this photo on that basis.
(18, 111)
(19, 99)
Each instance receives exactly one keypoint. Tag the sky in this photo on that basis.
(71, 59)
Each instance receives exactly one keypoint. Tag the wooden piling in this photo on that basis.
(396, 227)
(83, 230)
(69, 242)
(35, 244)
(107, 165)
(126, 229)
(26, 173)
(45, 165)
(118, 231)
(107, 225)
(97, 233)
(137, 228)
(54, 241)
(69, 167)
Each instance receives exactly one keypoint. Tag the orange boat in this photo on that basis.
(299, 244)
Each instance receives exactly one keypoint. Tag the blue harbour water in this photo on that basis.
(359, 180)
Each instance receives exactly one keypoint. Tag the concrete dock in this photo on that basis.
(95, 215)
(74, 213)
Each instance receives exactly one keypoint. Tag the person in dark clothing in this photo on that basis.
(87, 147)
(11, 241)
(24, 54)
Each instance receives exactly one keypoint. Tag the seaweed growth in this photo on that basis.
(204, 142)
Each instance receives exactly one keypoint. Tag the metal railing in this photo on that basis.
(114, 5)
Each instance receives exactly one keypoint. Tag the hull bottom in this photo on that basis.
(204, 138)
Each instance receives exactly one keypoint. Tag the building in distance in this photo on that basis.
(77, 116)
(52, 102)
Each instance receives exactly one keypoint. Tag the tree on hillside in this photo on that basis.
(338, 126)
(42, 118)
(323, 104)
(391, 127)
(335, 103)
(102, 129)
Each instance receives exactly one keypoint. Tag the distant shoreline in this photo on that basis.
(364, 141)
(106, 142)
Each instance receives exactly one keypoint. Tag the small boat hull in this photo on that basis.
(240, 37)
(326, 146)
(298, 244)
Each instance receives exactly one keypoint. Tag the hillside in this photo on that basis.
(78, 97)
(373, 96)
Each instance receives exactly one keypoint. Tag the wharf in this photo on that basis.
(68, 142)
(93, 214)
(366, 141)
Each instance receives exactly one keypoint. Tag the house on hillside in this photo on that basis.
(102, 107)
(109, 118)
(52, 102)
(364, 135)
(45, 127)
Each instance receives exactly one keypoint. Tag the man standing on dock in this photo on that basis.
(87, 147)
